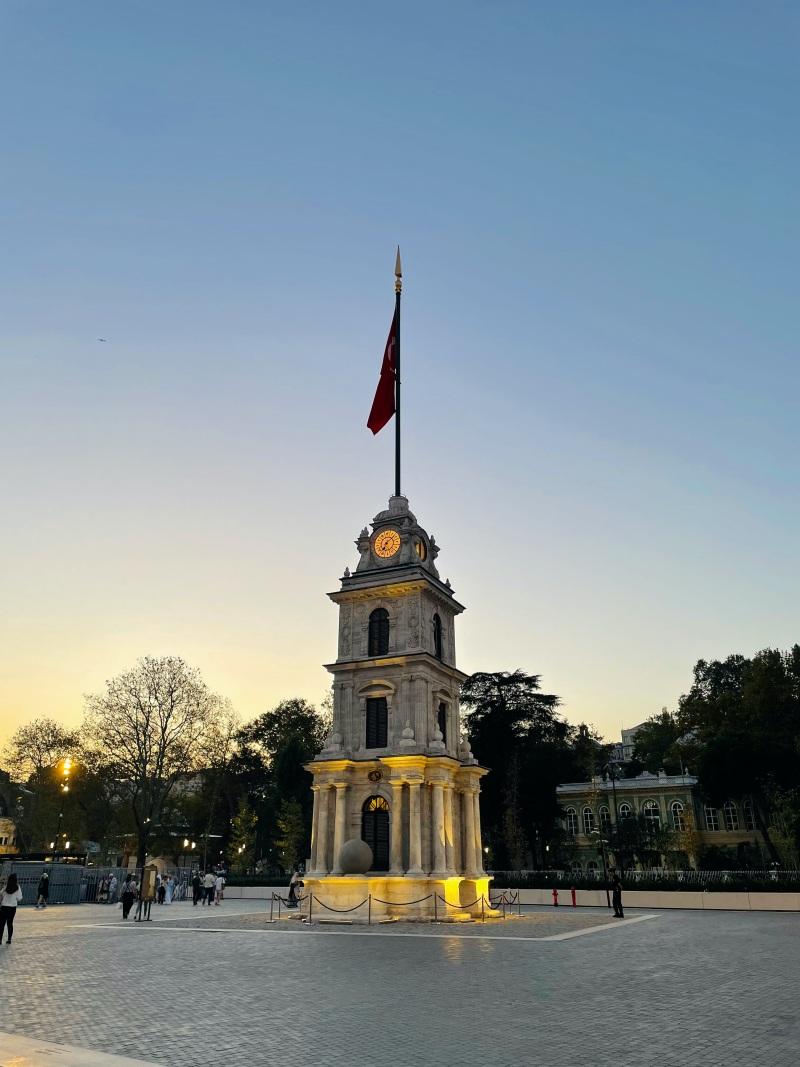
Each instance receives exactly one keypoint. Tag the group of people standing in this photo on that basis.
(207, 888)
(165, 889)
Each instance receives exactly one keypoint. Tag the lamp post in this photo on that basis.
(602, 846)
(66, 767)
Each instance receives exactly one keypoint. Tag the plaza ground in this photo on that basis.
(219, 986)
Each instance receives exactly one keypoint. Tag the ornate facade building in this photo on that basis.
(395, 771)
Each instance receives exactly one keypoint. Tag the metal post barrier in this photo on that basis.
(504, 907)
(310, 903)
(369, 909)
(435, 907)
(483, 908)
(519, 904)
(271, 907)
(279, 905)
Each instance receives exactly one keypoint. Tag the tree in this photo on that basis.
(241, 851)
(656, 745)
(514, 730)
(37, 747)
(741, 719)
(145, 732)
(273, 750)
(292, 833)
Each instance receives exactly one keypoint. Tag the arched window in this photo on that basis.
(712, 817)
(437, 636)
(588, 820)
(651, 814)
(625, 811)
(377, 722)
(375, 830)
(592, 869)
(748, 816)
(576, 868)
(441, 720)
(378, 632)
(571, 821)
(678, 819)
(731, 816)
(605, 817)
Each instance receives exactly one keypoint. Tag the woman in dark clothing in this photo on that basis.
(127, 896)
(43, 891)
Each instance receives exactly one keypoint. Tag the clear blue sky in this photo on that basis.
(598, 210)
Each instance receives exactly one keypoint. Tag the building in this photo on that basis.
(8, 828)
(591, 810)
(394, 771)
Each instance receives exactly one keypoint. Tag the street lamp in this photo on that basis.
(602, 846)
(66, 767)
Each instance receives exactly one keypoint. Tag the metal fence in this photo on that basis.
(71, 884)
(768, 879)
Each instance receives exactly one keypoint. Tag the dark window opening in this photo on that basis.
(379, 632)
(377, 722)
(437, 636)
(441, 719)
(375, 831)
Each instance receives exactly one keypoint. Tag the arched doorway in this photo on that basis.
(375, 830)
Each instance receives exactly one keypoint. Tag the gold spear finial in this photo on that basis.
(398, 273)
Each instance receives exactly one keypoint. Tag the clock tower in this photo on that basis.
(395, 770)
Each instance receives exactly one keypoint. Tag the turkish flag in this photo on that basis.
(383, 406)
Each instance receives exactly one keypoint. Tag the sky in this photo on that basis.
(597, 206)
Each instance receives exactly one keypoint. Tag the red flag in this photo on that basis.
(383, 406)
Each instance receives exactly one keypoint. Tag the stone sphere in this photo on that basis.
(355, 856)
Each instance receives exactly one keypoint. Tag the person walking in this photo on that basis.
(208, 885)
(43, 891)
(219, 885)
(616, 895)
(128, 895)
(9, 898)
(196, 883)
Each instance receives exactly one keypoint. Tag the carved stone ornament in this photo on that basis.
(375, 776)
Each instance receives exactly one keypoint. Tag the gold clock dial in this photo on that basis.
(387, 542)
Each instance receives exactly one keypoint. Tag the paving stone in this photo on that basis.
(683, 988)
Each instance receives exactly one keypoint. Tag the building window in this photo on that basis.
(437, 636)
(588, 820)
(576, 868)
(678, 819)
(591, 869)
(441, 721)
(378, 632)
(747, 815)
(625, 811)
(377, 722)
(652, 814)
(712, 818)
(605, 817)
(571, 821)
(375, 831)
(731, 816)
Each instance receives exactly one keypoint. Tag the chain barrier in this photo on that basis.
(503, 901)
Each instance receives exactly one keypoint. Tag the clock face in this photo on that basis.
(387, 542)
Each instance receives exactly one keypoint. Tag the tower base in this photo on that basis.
(363, 898)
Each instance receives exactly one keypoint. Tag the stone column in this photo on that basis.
(471, 867)
(396, 843)
(314, 828)
(414, 830)
(476, 800)
(323, 866)
(340, 824)
(449, 849)
(439, 854)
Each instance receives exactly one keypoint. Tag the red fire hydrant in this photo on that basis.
(574, 897)
(555, 897)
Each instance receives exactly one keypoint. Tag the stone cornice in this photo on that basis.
(408, 659)
(394, 586)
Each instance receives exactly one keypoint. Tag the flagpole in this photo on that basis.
(398, 288)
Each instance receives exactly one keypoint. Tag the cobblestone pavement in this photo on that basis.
(218, 986)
